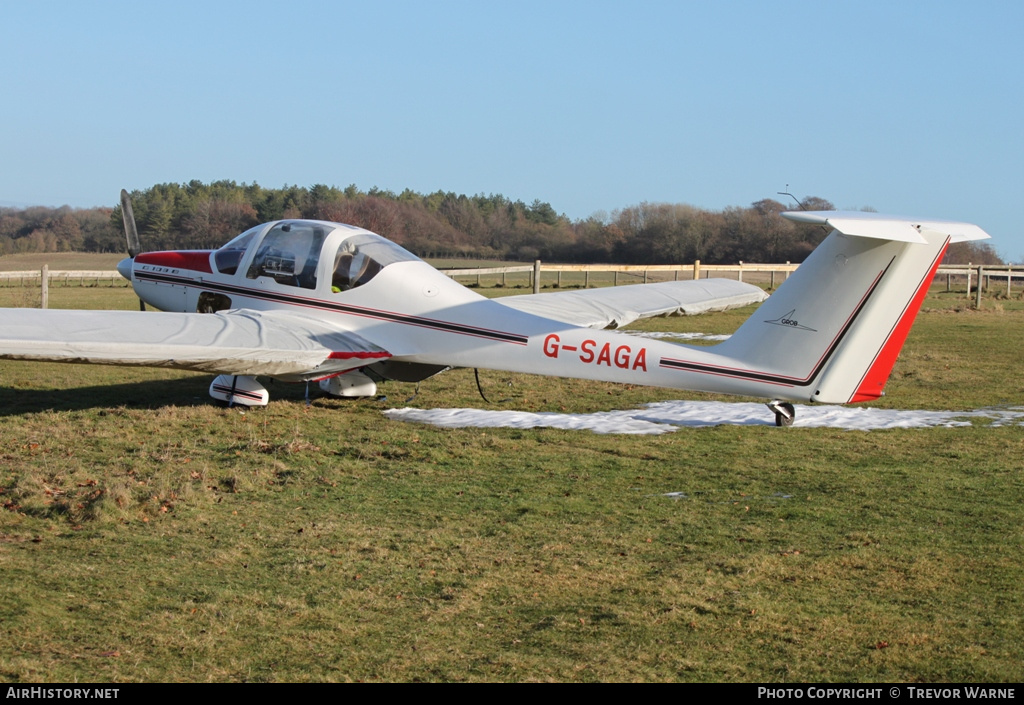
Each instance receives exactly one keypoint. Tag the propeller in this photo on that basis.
(131, 234)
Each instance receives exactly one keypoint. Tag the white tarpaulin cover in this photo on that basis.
(668, 416)
(228, 342)
(613, 307)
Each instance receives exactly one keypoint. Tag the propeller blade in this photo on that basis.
(130, 231)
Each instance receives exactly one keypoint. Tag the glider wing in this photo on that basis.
(614, 307)
(277, 344)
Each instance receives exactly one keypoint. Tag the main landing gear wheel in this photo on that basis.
(785, 414)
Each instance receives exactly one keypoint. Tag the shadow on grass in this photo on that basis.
(133, 395)
(186, 391)
(151, 394)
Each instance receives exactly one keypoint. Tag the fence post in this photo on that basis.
(45, 284)
(969, 270)
(536, 276)
(696, 269)
(977, 295)
(739, 274)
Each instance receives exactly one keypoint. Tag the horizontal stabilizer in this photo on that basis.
(888, 227)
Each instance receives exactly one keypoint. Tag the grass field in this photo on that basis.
(75, 261)
(147, 534)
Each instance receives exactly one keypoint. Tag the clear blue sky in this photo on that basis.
(908, 107)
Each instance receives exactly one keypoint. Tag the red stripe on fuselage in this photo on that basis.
(358, 355)
(194, 260)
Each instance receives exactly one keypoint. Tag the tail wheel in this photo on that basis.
(785, 414)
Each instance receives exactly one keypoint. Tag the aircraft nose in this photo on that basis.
(124, 268)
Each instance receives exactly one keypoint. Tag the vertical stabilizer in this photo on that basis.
(832, 332)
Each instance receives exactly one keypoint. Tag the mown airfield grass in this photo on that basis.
(147, 534)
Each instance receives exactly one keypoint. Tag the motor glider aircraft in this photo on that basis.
(305, 300)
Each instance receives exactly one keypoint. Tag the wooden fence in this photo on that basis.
(982, 276)
(770, 274)
(32, 277)
(991, 277)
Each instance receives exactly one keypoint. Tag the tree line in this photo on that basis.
(197, 215)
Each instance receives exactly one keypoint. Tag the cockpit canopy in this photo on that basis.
(291, 252)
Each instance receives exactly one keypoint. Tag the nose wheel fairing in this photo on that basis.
(239, 390)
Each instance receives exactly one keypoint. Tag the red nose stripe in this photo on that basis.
(194, 260)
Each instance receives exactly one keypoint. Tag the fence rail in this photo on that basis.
(982, 274)
(65, 277)
(973, 273)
